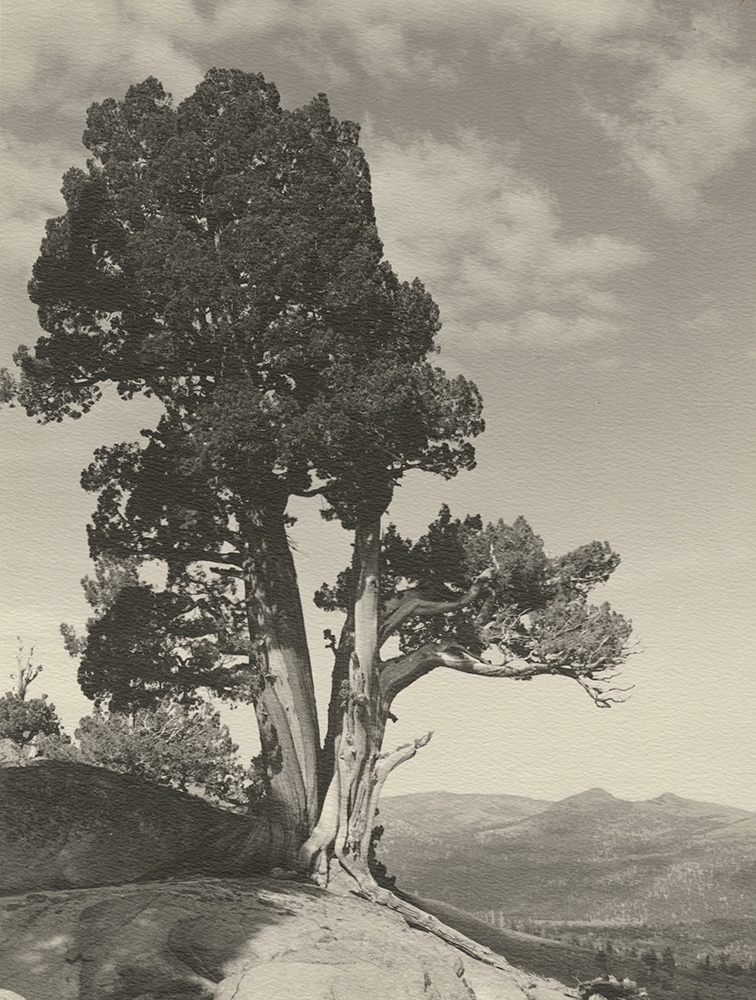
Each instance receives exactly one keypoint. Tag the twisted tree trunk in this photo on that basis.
(285, 699)
(341, 839)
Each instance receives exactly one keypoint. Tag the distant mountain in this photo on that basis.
(588, 857)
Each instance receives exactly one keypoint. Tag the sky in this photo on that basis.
(575, 183)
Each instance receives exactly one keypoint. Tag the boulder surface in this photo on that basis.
(115, 889)
(67, 825)
(233, 939)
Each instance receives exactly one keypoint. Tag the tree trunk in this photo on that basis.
(341, 840)
(339, 687)
(285, 703)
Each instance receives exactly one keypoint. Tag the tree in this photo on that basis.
(170, 744)
(22, 721)
(27, 670)
(26, 721)
(222, 256)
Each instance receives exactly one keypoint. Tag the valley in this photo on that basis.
(662, 890)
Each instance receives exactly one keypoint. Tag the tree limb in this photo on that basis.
(401, 671)
(315, 491)
(414, 604)
(388, 761)
(384, 765)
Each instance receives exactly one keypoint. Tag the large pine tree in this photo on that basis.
(222, 256)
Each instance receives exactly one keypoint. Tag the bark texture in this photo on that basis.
(285, 702)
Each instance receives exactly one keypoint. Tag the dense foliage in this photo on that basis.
(184, 747)
(23, 720)
(170, 745)
(222, 255)
(532, 608)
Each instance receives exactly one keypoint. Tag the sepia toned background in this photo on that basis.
(576, 185)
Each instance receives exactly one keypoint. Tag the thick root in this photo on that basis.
(423, 921)
(347, 879)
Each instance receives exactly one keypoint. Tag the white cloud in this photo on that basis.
(51, 48)
(489, 244)
(692, 113)
(58, 55)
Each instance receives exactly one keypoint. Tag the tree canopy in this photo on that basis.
(222, 255)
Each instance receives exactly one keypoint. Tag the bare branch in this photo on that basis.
(27, 669)
(401, 671)
(384, 765)
(386, 762)
(414, 604)
(316, 491)
(603, 697)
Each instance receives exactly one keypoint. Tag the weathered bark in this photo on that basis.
(339, 687)
(364, 723)
(285, 701)
(341, 838)
(338, 849)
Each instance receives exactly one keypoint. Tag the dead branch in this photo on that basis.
(401, 671)
(414, 604)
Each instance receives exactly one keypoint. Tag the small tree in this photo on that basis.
(26, 669)
(171, 744)
(25, 722)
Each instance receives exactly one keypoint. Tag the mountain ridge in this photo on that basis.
(587, 856)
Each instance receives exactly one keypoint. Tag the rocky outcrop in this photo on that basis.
(65, 825)
(233, 939)
(115, 889)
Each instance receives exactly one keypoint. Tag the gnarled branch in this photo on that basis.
(401, 671)
(603, 697)
(230, 561)
(384, 765)
(386, 762)
(414, 604)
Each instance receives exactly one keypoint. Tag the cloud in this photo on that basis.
(54, 52)
(386, 40)
(57, 55)
(692, 113)
(680, 99)
(489, 243)
(579, 25)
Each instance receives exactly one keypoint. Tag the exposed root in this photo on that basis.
(352, 880)
(423, 921)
